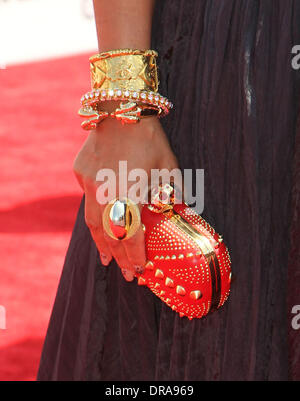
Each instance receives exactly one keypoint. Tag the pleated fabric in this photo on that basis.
(226, 65)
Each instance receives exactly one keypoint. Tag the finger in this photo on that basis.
(128, 274)
(93, 221)
(119, 254)
(135, 250)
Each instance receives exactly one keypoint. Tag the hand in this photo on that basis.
(143, 145)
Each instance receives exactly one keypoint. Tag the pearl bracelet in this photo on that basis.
(154, 99)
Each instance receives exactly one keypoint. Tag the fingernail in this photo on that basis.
(128, 275)
(104, 259)
(139, 269)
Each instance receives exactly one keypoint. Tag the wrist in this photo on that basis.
(110, 105)
(145, 128)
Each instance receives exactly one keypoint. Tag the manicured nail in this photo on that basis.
(139, 269)
(104, 259)
(128, 275)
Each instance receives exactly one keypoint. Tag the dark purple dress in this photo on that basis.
(226, 65)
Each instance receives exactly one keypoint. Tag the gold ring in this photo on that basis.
(121, 219)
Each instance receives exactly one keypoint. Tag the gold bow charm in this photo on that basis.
(94, 117)
(128, 113)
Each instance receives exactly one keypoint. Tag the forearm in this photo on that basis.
(123, 23)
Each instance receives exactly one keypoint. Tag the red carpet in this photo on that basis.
(40, 136)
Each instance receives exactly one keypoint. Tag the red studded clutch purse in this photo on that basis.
(188, 264)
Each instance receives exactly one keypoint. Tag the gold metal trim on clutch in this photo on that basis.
(200, 239)
(208, 252)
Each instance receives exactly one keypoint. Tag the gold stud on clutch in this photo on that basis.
(159, 273)
(141, 281)
(195, 295)
(149, 265)
(180, 290)
(169, 282)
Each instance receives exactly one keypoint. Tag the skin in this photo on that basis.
(143, 145)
